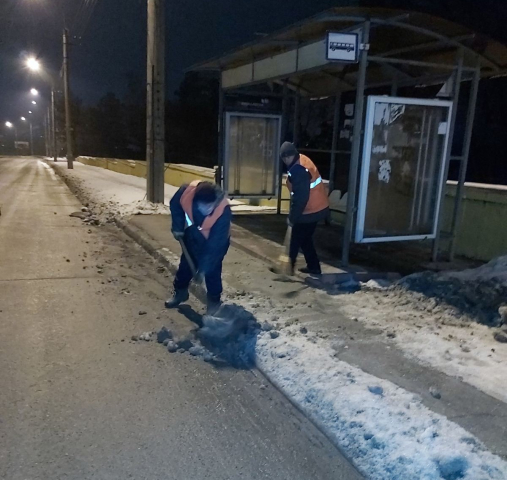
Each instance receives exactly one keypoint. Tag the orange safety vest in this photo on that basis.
(187, 201)
(318, 200)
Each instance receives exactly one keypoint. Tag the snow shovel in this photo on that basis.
(191, 263)
(284, 266)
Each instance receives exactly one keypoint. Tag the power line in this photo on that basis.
(78, 14)
(85, 18)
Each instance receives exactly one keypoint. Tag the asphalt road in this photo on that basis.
(79, 400)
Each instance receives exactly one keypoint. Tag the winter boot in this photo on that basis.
(179, 297)
(311, 271)
(212, 305)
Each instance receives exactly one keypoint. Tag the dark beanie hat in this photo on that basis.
(205, 192)
(288, 150)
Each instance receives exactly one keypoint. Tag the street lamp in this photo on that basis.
(11, 125)
(33, 64)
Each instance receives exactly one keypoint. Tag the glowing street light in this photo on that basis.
(29, 111)
(34, 102)
(31, 134)
(34, 92)
(11, 125)
(33, 64)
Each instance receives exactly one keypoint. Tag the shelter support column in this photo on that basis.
(297, 103)
(356, 144)
(394, 86)
(456, 89)
(221, 133)
(334, 143)
(285, 125)
(458, 201)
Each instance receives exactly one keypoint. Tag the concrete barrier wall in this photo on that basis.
(483, 229)
(175, 174)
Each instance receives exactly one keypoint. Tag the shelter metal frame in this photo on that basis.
(277, 169)
(362, 200)
(288, 49)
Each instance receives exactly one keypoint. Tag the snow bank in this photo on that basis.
(386, 431)
(495, 270)
(476, 294)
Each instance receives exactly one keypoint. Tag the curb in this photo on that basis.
(67, 182)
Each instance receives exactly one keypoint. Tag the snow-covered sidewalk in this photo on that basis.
(387, 431)
(444, 331)
(113, 194)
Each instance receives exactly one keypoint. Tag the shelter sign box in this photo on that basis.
(342, 47)
(403, 168)
(252, 165)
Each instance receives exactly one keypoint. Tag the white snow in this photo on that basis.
(436, 334)
(386, 431)
(496, 270)
(466, 350)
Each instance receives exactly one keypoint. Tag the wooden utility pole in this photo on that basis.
(53, 125)
(31, 139)
(46, 132)
(155, 108)
(66, 89)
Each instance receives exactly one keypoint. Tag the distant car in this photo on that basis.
(349, 47)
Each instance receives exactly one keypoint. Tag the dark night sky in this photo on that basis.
(115, 40)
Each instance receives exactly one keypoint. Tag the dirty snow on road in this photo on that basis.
(386, 431)
(450, 321)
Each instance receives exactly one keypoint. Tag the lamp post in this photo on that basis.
(31, 134)
(10, 125)
(34, 65)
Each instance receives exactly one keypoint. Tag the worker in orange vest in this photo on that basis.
(309, 205)
(201, 217)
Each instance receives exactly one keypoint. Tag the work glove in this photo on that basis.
(178, 235)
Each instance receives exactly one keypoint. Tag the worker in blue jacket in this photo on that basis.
(201, 217)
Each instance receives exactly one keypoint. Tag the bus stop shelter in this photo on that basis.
(400, 147)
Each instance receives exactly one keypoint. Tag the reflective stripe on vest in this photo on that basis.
(314, 184)
(318, 200)
(189, 222)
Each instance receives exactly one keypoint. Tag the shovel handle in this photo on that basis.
(188, 257)
(288, 237)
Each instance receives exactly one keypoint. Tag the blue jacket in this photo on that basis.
(208, 253)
